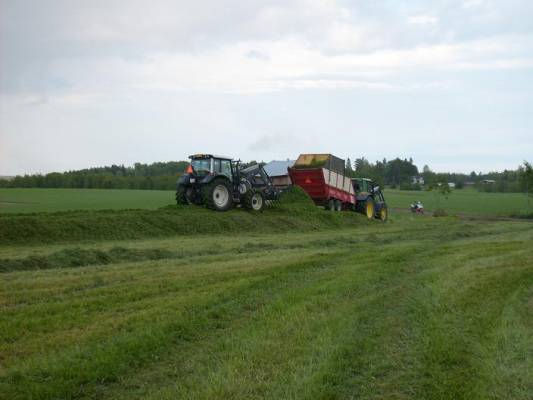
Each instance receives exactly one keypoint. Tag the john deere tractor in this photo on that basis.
(369, 199)
(220, 183)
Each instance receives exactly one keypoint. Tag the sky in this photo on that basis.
(92, 83)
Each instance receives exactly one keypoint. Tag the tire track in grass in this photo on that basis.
(271, 354)
(459, 341)
(383, 359)
(24, 331)
(509, 366)
(78, 371)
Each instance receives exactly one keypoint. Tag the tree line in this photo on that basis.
(155, 176)
(399, 173)
(396, 173)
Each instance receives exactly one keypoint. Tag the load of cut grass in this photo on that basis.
(295, 198)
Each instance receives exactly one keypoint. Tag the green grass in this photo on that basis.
(465, 201)
(39, 200)
(295, 212)
(417, 308)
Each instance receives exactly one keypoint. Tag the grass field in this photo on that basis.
(465, 201)
(295, 303)
(39, 200)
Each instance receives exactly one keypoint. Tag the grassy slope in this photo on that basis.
(187, 220)
(467, 201)
(416, 308)
(38, 200)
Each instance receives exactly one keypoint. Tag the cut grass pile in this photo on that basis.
(422, 309)
(295, 211)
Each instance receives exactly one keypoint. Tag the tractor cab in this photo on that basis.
(362, 185)
(207, 164)
(369, 199)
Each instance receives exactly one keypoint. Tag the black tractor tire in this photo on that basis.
(181, 196)
(218, 195)
(330, 205)
(383, 214)
(338, 205)
(368, 208)
(254, 200)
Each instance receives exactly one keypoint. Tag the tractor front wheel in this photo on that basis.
(218, 195)
(254, 200)
(183, 195)
(383, 213)
(368, 208)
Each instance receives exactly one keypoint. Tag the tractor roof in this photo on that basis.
(206, 156)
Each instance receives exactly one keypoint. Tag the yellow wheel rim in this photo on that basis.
(369, 210)
(383, 214)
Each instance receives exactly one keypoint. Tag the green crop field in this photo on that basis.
(465, 201)
(294, 303)
(38, 200)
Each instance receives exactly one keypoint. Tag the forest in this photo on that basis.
(396, 173)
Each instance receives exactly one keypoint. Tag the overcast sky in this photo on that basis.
(90, 83)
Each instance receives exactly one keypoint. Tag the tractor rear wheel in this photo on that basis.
(254, 200)
(218, 195)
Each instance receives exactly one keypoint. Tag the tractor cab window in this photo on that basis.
(225, 168)
(217, 169)
(201, 166)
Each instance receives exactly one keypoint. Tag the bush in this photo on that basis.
(440, 212)
(409, 186)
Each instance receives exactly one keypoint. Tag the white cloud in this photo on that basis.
(297, 64)
(422, 19)
(86, 68)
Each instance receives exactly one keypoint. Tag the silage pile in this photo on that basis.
(295, 199)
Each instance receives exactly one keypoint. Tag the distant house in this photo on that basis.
(417, 180)
(451, 185)
(277, 171)
(488, 181)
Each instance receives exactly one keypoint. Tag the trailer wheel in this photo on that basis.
(254, 200)
(338, 205)
(217, 195)
(330, 205)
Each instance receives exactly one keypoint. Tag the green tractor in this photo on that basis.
(220, 183)
(369, 199)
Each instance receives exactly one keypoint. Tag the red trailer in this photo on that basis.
(322, 177)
